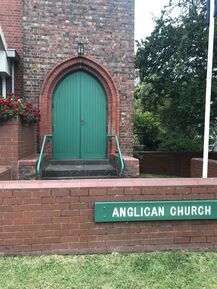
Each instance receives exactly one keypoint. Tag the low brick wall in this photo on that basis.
(197, 167)
(166, 163)
(5, 173)
(27, 140)
(131, 165)
(27, 167)
(57, 217)
(17, 141)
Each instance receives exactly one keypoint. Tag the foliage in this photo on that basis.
(13, 106)
(114, 271)
(172, 68)
(147, 129)
(175, 142)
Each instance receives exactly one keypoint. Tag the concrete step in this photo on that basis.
(80, 162)
(78, 169)
(80, 177)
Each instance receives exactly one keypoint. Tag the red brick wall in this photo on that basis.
(27, 140)
(16, 142)
(173, 163)
(197, 167)
(5, 173)
(107, 30)
(8, 142)
(11, 21)
(131, 166)
(48, 217)
(69, 66)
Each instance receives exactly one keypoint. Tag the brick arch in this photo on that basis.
(57, 73)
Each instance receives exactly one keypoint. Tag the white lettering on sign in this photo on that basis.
(178, 211)
(115, 213)
(207, 210)
(123, 212)
(190, 211)
(147, 211)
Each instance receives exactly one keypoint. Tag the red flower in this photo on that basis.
(5, 109)
(24, 114)
(14, 106)
(8, 102)
(28, 106)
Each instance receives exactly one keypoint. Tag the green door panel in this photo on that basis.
(94, 119)
(79, 118)
(66, 119)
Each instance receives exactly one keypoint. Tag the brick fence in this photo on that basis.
(57, 217)
(169, 163)
(197, 166)
(17, 141)
(5, 173)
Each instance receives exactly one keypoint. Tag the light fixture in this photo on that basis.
(80, 48)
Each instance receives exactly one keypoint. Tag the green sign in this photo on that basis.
(154, 210)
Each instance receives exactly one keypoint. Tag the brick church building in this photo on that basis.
(74, 60)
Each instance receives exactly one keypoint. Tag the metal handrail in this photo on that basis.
(47, 137)
(120, 157)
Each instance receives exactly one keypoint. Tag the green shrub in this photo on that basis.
(173, 141)
(147, 130)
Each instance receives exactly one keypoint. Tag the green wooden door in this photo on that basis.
(79, 116)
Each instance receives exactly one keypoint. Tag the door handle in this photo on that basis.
(82, 122)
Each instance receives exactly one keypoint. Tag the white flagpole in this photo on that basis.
(208, 89)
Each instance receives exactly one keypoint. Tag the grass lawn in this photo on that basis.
(115, 271)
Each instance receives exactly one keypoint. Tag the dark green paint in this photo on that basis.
(155, 210)
(79, 118)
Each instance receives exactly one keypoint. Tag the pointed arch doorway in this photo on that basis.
(97, 76)
(79, 118)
